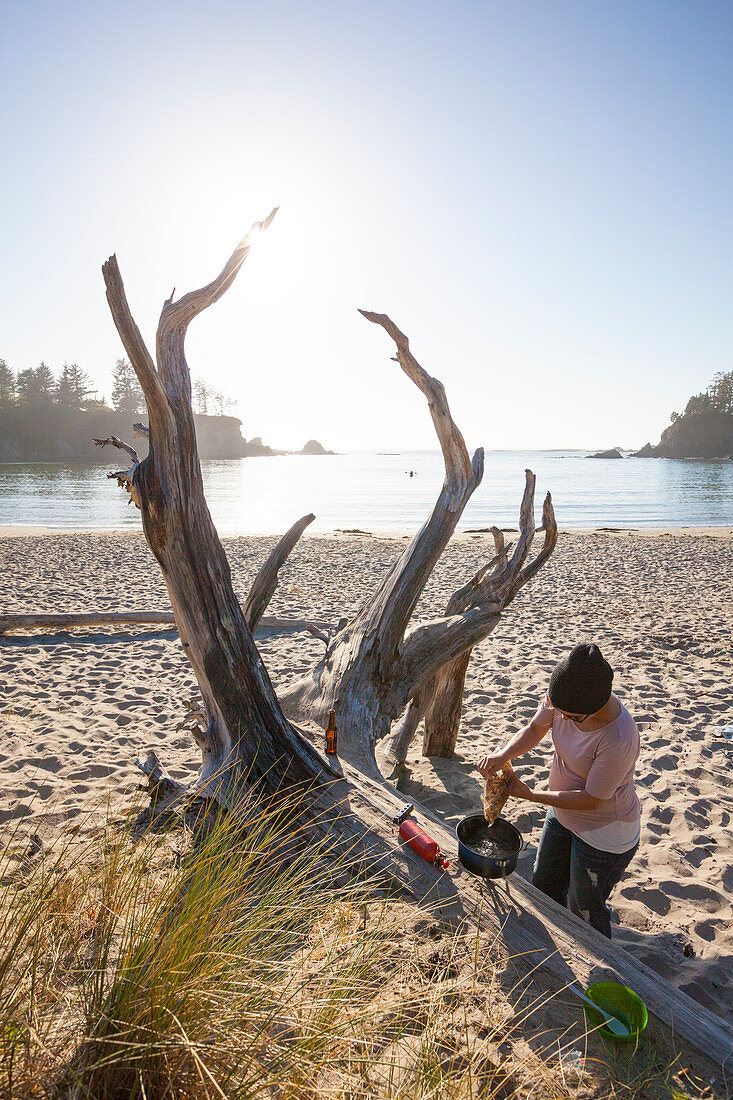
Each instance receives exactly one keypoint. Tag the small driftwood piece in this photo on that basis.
(165, 792)
(265, 582)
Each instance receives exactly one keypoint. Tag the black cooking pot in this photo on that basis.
(508, 840)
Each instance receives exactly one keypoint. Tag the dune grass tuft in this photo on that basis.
(133, 970)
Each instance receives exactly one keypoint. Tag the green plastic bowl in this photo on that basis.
(621, 1002)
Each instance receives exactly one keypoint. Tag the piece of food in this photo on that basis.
(496, 792)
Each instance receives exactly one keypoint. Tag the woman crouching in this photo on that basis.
(591, 831)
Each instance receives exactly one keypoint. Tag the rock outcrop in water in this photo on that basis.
(613, 453)
(313, 447)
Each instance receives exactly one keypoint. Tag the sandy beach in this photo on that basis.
(77, 708)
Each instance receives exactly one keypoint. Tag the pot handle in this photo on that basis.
(525, 845)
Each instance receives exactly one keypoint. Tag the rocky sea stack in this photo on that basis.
(313, 447)
(613, 453)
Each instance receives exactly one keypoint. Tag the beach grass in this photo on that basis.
(156, 965)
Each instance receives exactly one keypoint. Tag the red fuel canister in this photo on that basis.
(421, 843)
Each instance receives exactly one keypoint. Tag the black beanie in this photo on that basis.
(581, 684)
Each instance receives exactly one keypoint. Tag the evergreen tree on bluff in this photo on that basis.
(127, 396)
(718, 397)
(43, 418)
(36, 386)
(7, 386)
(73, 388)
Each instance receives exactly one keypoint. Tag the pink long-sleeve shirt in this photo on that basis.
(602, 763)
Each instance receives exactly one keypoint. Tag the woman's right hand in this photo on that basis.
(494, 762)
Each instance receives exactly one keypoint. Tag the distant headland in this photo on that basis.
(50, 418)
(703, 430)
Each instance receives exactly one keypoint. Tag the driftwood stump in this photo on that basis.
(375, 667)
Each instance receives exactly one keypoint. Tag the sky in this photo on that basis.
(538, 192)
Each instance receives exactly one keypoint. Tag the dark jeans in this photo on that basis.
(576, 875)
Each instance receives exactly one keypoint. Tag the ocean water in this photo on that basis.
(374, 492)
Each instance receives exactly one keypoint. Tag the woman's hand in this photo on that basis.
(519, 789)
(494, 762)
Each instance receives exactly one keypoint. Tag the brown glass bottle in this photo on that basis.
(331, 734)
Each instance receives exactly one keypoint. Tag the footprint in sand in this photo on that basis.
(667, 762)
(654, 899)
(663, 814)
(697, 815)
(20, 810)
(707, 929)
(700, 992)
(697, 856)
(42, 790)
(703, 896)
(728, 880)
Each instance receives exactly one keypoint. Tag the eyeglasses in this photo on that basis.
(577, 718)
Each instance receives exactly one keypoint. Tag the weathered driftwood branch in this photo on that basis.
(124, 478)
(247, 734)
(137, 352)
(85, 618)
(129, 618)
(358, 675)
(439, 696)
(373, 666)
(165, 792)
(392, 605)
(113, 441)
(265, 582)
(430, 645)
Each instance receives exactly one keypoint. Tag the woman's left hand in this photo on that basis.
(519, 789)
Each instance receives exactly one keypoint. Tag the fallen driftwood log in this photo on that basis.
(128, 618)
